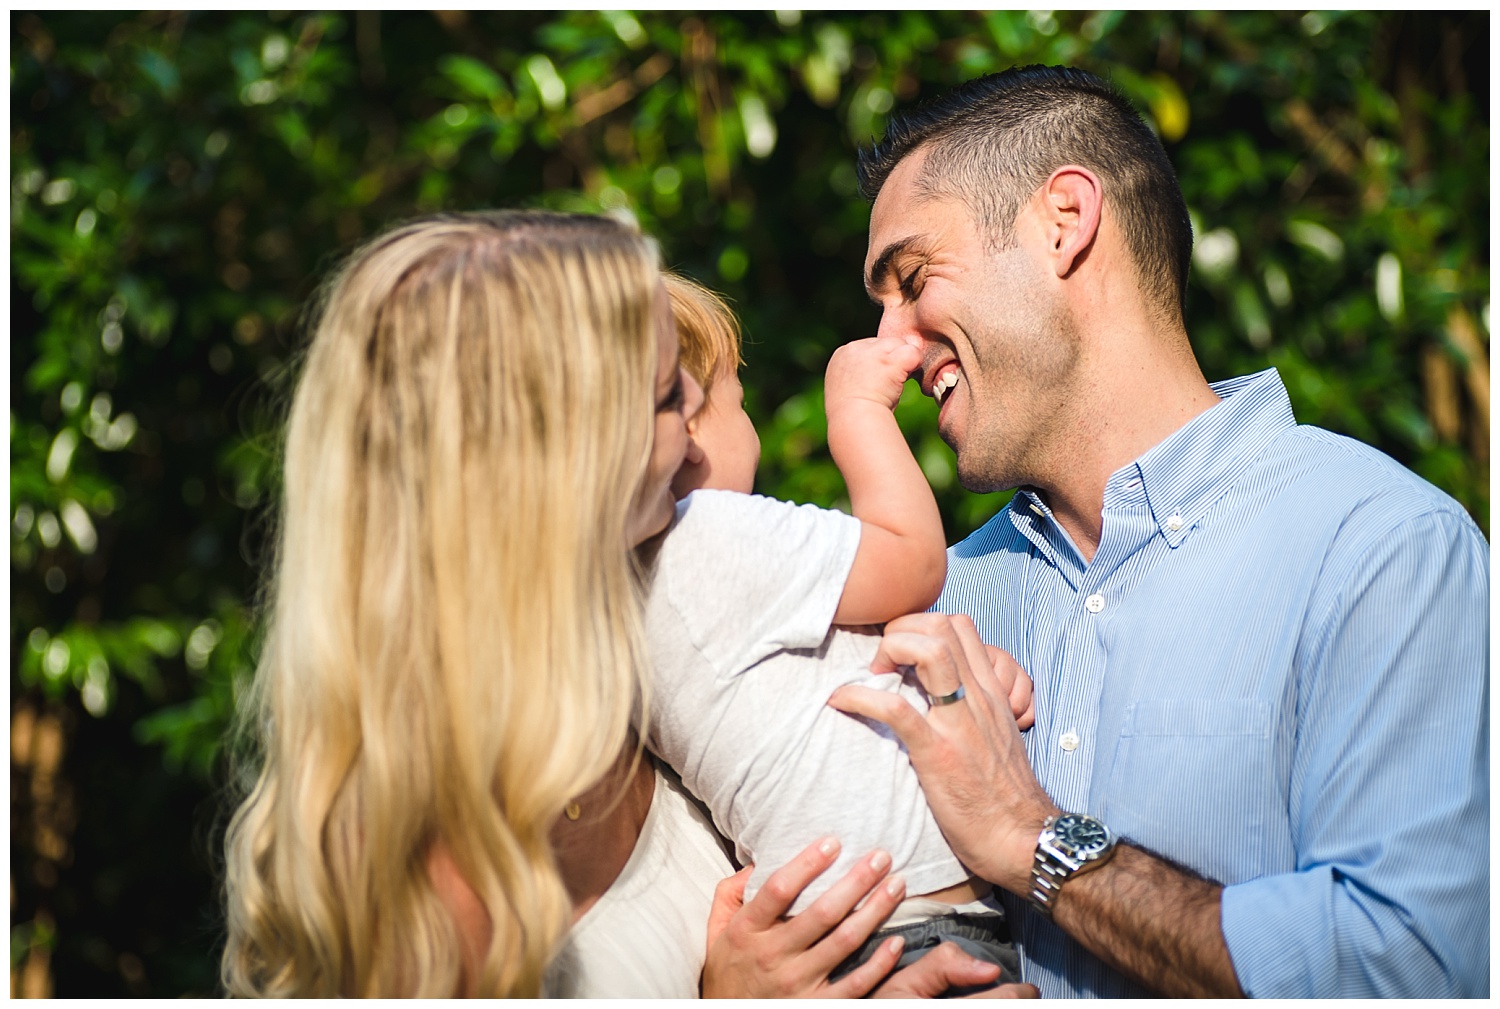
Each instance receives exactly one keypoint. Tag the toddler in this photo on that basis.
(754, 617)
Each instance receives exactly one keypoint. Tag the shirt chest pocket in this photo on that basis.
(1193, 779)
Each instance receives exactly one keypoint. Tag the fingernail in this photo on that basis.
(880, 861)
(895, 944)
(895, 886)
(829, 845)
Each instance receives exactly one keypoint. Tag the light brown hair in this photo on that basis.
(707, 330)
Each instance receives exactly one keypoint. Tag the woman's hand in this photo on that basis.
(753, 952)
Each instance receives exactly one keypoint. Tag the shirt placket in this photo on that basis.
(1063, 752)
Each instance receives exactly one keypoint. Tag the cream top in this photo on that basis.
(646, 937)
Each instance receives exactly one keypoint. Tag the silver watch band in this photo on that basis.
(1048, 871)
(1052, 866)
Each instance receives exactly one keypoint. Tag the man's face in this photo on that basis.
(999, 352)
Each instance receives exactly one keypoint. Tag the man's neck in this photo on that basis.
(1137, 398)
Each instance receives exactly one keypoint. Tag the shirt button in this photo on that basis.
(1094, 603)
(1174, 523)
(1068, 740)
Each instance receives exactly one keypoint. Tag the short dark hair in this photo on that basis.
(993, 140)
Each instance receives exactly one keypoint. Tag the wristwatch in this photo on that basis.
(1069, 844)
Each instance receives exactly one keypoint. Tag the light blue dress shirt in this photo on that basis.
(1275, 672)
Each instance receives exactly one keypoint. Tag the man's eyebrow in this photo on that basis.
(875, 280)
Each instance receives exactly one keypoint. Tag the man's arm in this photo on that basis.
(1152, 921)
(902, 558)
(1388, 788)
(1388, 794)
(1148, 919)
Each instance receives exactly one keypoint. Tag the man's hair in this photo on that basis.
(707, 330)
(992, 141)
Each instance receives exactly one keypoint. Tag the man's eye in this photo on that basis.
(911, 285)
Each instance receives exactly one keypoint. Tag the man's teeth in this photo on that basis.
(942, 384)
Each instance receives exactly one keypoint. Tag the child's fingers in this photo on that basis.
(1021, 701)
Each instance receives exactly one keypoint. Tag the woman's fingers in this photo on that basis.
(859, 981)
(761, 953)
(831, 923)
(729, 897)
(784, 885)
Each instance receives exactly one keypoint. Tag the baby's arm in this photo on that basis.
(902, 558)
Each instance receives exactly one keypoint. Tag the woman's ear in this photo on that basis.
(1072, 201)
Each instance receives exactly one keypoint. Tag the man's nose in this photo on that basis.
(900, 321)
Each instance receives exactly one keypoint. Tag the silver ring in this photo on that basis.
(953, 698)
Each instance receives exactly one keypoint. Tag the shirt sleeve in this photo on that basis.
(752, 575)
(1389, 795)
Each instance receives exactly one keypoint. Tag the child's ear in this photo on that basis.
(694, 455)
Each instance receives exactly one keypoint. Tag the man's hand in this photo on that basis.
(870, 370)
(969, 755)
(1139, 914)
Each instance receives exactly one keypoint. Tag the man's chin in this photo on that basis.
(977, 477)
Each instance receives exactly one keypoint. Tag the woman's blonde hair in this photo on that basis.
(707, 330)
(454, 645)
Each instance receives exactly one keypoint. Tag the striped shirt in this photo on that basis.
(1273, 671)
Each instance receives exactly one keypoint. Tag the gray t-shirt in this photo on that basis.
(739, 621)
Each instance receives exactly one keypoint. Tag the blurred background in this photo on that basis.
(179, 183)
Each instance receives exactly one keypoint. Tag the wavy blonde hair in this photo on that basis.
(454, 645)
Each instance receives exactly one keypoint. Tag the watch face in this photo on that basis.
(1083, 835)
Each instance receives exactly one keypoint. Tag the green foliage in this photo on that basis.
(180, 182)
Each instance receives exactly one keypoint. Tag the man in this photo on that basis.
(1259, 650)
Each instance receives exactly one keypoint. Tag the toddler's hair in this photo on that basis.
(707, 330)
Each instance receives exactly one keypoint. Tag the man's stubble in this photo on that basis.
(1027, 397)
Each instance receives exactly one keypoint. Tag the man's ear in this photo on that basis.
(1072, 200)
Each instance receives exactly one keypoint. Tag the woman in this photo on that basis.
(454, 645)
(444, 778)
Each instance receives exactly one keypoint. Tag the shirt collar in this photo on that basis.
(1186, 474)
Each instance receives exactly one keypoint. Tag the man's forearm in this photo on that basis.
(1153, 922)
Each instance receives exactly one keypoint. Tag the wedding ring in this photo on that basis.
(953, 698)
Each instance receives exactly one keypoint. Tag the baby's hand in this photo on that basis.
(873, 369)
(1020, 687)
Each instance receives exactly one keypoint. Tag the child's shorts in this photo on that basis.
(983, 936)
